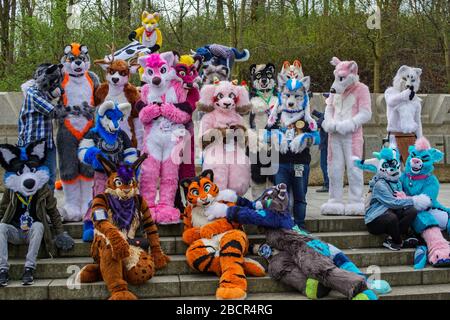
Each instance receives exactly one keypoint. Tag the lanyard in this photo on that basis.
(261, 95)
(26, 203)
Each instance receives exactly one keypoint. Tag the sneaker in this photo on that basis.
(4, 278)
(411, 242)
(28, 278)
(322, 190)
(391, 245)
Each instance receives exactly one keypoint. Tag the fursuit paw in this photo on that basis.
(284, 146)
(315, 290)
(408, 126)
(216, 211)
(120, 248)
(160, 260)
(89, 273)
(230, 294)
(354, 209)
(123, 295)
(253, 268)
(164, 214)
(88, 231)
(440, 258)
(366, 295)
(379, 286)
(332, 208)
(421, 202)
(298, 144)
(345, 127)
(64, 242)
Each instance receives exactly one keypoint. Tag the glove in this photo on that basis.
(132, 35)
(64, 242)
(421, 202)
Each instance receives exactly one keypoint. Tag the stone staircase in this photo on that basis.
(178, 281)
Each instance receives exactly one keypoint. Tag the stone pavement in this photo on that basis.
(55, 277)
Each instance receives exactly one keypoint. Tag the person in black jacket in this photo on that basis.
(323, 147)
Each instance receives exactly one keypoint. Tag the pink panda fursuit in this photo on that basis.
(164, 119)
(223, 134)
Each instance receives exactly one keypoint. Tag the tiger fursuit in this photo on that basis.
(118, 213)
(216, 245)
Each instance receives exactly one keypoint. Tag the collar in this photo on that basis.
(76, 75)
(149, 33)
(418, 177)
(292, 111)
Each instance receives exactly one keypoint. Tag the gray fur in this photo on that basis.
(211, 72)
(67, 145)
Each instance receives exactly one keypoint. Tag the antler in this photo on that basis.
(107, 61)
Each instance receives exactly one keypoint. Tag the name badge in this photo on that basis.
(299, 168)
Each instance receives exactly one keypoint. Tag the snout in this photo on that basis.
(332, 90)
(78, 62)
(29, 183)
(227, 104)
(156, 81)
(291, 104)
(416, 165)
(115, 80)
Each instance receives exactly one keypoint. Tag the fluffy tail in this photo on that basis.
(370, 165)
(241, 56)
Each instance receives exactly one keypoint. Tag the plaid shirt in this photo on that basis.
(35, 119)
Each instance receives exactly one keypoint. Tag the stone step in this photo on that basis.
(320, 224)
(406, 282)
(175, 245)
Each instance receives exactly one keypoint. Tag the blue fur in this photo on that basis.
(90, 157)
(429, 185)
(88, 231)
(366, 167)
(115, 115)
(23, 154)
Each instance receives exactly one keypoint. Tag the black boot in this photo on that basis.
(4, 278)
(28, 277)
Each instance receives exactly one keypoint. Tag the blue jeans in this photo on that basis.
(299, 185)
(324, 166)
(50, 162)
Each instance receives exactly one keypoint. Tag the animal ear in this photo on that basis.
(198, 62)
(436, 155)
(67, 49)
(271, 67)
(107, 165)
(142, 60)
(335, 61)
(403, 68)
(376, 155)
(306, 82)
(353, 67)
(105, 106)
(418, 71)
(139, 161)
(157, 16)
(37, 149)
(185, 183)
(125, 108)
(207, 174)
(286, 65)
(8, 153)
(370, 165)
(144, 15)
(102, 63)
(169, 57)
(243, 105)
(297, 64)
(206, 101)
(252, 69)
(84, 49)
(176, 56)
(225, 70)
(52, 69)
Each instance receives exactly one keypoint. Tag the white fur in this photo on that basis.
(441, 217)
(227, 195)
(354, 209)
(216, 210)
(72, 202)
(78, 90)
(403, 114)
(7, 155)
(332, 209)
(16, 182)
(421, 202)
(82, 148)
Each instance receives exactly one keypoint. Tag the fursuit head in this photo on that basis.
(263, 76)
(158, 75)
(25, 172)
(385, 164)
(110, 114)
(290, 71)
(47, 79)
(345, 75)
(211, 72)
(76, 59)
(407, 78)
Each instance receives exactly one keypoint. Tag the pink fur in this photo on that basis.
(98, 187)
(226, 100)
(149, 113)
(344, 68)
(438, 247)
(169, 111)
(422, 144)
